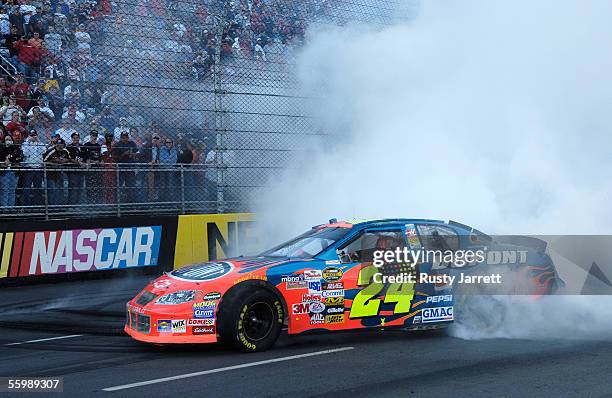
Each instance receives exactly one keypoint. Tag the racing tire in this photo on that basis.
(250, 319)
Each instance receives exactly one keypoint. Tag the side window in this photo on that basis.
(437, 237)
(362, 248)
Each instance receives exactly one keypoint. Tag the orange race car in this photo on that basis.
(330, 278)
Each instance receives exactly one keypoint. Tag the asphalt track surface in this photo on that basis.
(82, 322)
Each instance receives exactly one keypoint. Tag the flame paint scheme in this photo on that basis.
(324, 281)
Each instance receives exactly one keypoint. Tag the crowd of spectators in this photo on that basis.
(252, 30)
(58, 112)
(83, 171)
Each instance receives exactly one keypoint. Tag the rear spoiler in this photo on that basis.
(533, 243)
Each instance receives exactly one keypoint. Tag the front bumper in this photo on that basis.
(143, 325)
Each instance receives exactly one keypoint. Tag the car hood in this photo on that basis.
(219, 276)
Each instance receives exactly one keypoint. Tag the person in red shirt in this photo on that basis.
(29, 56)
(20, 91)
(16, 129)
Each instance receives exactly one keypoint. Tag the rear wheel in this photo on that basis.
(250, 318)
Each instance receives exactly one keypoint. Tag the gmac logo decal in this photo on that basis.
(204, 272)
(436, 314)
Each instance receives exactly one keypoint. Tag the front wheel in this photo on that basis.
(251, 319)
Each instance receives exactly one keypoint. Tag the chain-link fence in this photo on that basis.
(214, 77)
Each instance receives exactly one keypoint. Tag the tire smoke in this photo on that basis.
(495, 114)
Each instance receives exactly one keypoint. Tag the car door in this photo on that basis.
(377, 298)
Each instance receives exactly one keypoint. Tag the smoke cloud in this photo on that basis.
(495, 114)
(490, 113)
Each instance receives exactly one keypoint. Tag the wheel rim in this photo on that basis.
(258, 321)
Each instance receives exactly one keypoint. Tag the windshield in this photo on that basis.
(308, 244)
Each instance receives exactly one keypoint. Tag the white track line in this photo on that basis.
(245, 365)
(49, 339)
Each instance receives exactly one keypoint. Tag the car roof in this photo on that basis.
(378, 222)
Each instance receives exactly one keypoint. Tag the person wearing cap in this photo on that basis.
(76, 177)
(92, 151)
(56, 157)
(33, 151)
(125, 152)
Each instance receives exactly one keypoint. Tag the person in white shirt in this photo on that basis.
(33, 151)
(72, 93)
(73, 113)
(123, 127)
(53, 40)
(45, 110)
(6, 112)
(65, 132)
(5, 25)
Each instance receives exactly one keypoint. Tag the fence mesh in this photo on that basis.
(215, 79)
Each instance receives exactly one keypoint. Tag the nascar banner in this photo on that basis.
(65, 247)
(56, 250)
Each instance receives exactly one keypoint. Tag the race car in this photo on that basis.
(336, 276)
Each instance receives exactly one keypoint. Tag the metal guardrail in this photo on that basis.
(7, 67)
(47, 192)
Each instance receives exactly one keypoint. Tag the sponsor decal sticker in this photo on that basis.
(300, 308)
(294, 281)
(413, 238)
(333, 285)
(312, 274)
(332, 319)
(200, 322)
(436, 314)
(332, 262)
(334, 301)
(417, 319)
(179, 326)
(332, 274)
(164, 326)
(206, 305)
(335, 310)
(317, 319)
(314, 287)
(317, 307)
(135, 309)
(203, 330)
(163, 284)
(332, 293)
(212, 296)
(251, 277)
(200, 313)
(439, 299)
(309, 298)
